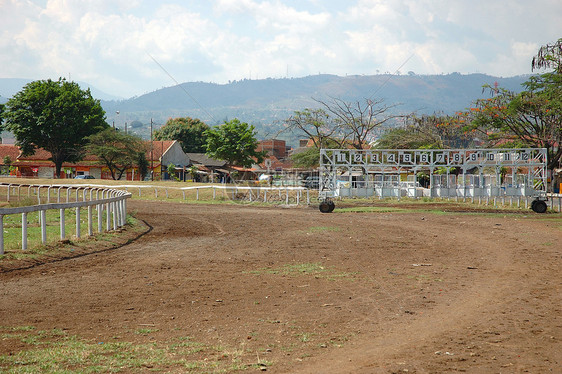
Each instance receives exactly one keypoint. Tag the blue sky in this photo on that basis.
(109, 43)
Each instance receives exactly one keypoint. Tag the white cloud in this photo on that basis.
(106, 42)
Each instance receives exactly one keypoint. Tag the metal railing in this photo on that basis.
(287, 195)
(104, 199)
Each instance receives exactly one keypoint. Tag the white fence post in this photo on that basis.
(108, 217)
(100, 215)
(62, 224)
(90, 227)
(23, 231)
(43, 215)
(2, 233)
(114, 207)
(77, 221)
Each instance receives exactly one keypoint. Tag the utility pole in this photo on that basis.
(151, 153)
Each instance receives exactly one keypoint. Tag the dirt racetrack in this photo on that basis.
(297, 291)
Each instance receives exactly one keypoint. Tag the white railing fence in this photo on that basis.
(103, 199)
(285, 195)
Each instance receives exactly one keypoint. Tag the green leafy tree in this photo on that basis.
(310, 156)
(142, 163)
(6, 165)
(430, 132)
(116, 150)
(531, 118)
(171, 169)
(57, 116)
(188, 131)
(235, 142)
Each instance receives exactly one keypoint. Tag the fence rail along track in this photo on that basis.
(112, 202)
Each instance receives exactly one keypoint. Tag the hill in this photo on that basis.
(267, 103)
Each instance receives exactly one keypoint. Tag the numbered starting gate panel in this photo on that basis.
(482, 172)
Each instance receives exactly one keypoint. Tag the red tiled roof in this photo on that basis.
(43, 155)
(9, 150)
(159, 148)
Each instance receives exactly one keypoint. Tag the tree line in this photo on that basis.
(531, 118)
(61, 118)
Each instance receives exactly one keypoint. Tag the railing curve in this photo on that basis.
(104, 199)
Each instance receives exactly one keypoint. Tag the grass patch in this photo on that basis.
(13, 228)
(316, 229)
(54, 351)
(145, 331)
(314, 269)
(371, 209)
(55, 248)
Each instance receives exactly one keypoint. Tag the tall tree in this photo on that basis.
(358, 121)
(428, 131)
(316, 125)
(116, 150)
(235, 142)
(142, 163)
(342, 124)
(190, 132)
(56, 116)
(533, 117)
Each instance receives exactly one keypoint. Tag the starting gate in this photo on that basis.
(482, 173)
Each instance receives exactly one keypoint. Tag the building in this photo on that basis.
(159, 155)
(274, 147)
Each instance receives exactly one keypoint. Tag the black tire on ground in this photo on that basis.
(533, 204)
(539, 206)
(332, 206)
(325, 207)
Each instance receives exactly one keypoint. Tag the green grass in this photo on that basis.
(306, 269)
(315, 229)
(371, 209)
(12, 238)
(54, 351)
(13, 226)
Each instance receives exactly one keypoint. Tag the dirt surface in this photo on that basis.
(315, 293)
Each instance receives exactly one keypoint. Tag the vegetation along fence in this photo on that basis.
(109, 204)
(285, 195)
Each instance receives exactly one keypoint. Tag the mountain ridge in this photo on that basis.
(266, 103)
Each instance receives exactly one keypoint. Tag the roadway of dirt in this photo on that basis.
(382, 292)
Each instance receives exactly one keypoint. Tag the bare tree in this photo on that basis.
(316, 125)
(358, 120)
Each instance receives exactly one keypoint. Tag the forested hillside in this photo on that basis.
(266, 103)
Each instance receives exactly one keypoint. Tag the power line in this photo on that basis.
(183, 88)
(391, 75)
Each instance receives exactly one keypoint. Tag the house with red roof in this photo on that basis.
(159, 154)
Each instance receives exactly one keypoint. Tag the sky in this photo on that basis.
(130, 47)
